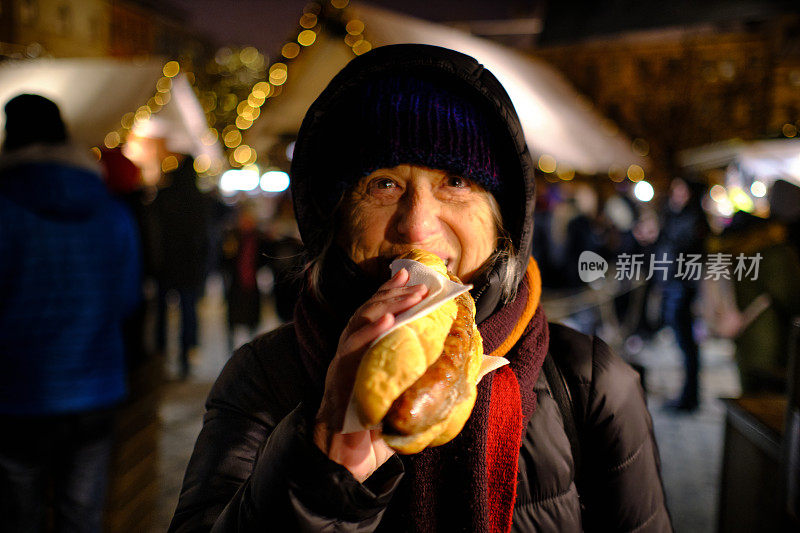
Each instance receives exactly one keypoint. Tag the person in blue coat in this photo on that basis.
(69, 274)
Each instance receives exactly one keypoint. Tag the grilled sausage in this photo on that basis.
(429, 400)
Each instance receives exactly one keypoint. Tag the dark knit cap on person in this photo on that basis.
(30, 119)
(397, 120)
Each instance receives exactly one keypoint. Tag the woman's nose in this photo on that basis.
(418, 217)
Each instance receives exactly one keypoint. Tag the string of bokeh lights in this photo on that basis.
(239, 154)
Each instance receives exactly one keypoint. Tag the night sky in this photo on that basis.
(266, 24)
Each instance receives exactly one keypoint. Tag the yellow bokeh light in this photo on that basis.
(353, 40)
(362, 47)
(243, 108)
(242, 154)
(278, 78)
(248, 55)
(635, 173)
(256, 100)
(171, 69)
(210, 137)
(163, 85)
(229, 102)
(233, 138)
(232, 160)
(340, 4)
(127, 120)
(566, 174)
(169, 163)
(142, 114)
(96, 152)
(262, 89)
(112, 140)
(253, 157)
(290, 50)
(547, 163)
(354, 27)
(307, 37)
(308, 20)
(617, 174)
(243, 123)
(789, 130)
(202, 163)
(162, 98)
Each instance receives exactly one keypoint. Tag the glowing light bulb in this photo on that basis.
(643, 191)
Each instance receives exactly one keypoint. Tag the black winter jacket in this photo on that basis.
(255, 467)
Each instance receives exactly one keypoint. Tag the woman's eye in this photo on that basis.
(382, 184)
(457, 181)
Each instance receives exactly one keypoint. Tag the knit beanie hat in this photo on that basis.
(31, 118)
(398, 119)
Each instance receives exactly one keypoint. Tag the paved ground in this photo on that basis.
(690, 445)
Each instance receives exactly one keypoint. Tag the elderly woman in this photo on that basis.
(414, 146)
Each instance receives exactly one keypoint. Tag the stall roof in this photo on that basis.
(94, 94)
(766, 160)
(556, 120)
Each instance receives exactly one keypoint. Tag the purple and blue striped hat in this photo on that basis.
(397, 120)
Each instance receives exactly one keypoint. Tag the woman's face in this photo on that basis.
(396, 209)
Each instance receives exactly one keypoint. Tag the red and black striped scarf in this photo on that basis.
(468, 484)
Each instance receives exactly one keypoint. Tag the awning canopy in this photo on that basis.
(94, 94)
(557, 121)
(766, 160)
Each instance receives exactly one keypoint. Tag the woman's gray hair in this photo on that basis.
(505, 253)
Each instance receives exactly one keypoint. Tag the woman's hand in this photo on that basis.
(365, 451)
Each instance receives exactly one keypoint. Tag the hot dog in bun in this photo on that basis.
(419, 381)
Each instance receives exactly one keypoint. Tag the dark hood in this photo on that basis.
(517, 198)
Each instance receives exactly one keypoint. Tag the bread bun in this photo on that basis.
(423, 374)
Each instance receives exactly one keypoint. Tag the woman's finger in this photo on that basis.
(359, 338)
(393, 301)
(399, 279)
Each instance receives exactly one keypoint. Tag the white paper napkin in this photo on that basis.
(440, 290)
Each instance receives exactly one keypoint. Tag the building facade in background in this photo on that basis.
(684, 86)
(95, 28)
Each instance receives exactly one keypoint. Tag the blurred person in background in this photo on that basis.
(285, 258)
(124, 180)
(784, 206)
(181, 217)
(243, 254)
(69, 274)
(684, 230)
(759, 317)
(573, 230)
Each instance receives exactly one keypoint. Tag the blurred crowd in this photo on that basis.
(754, 308)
